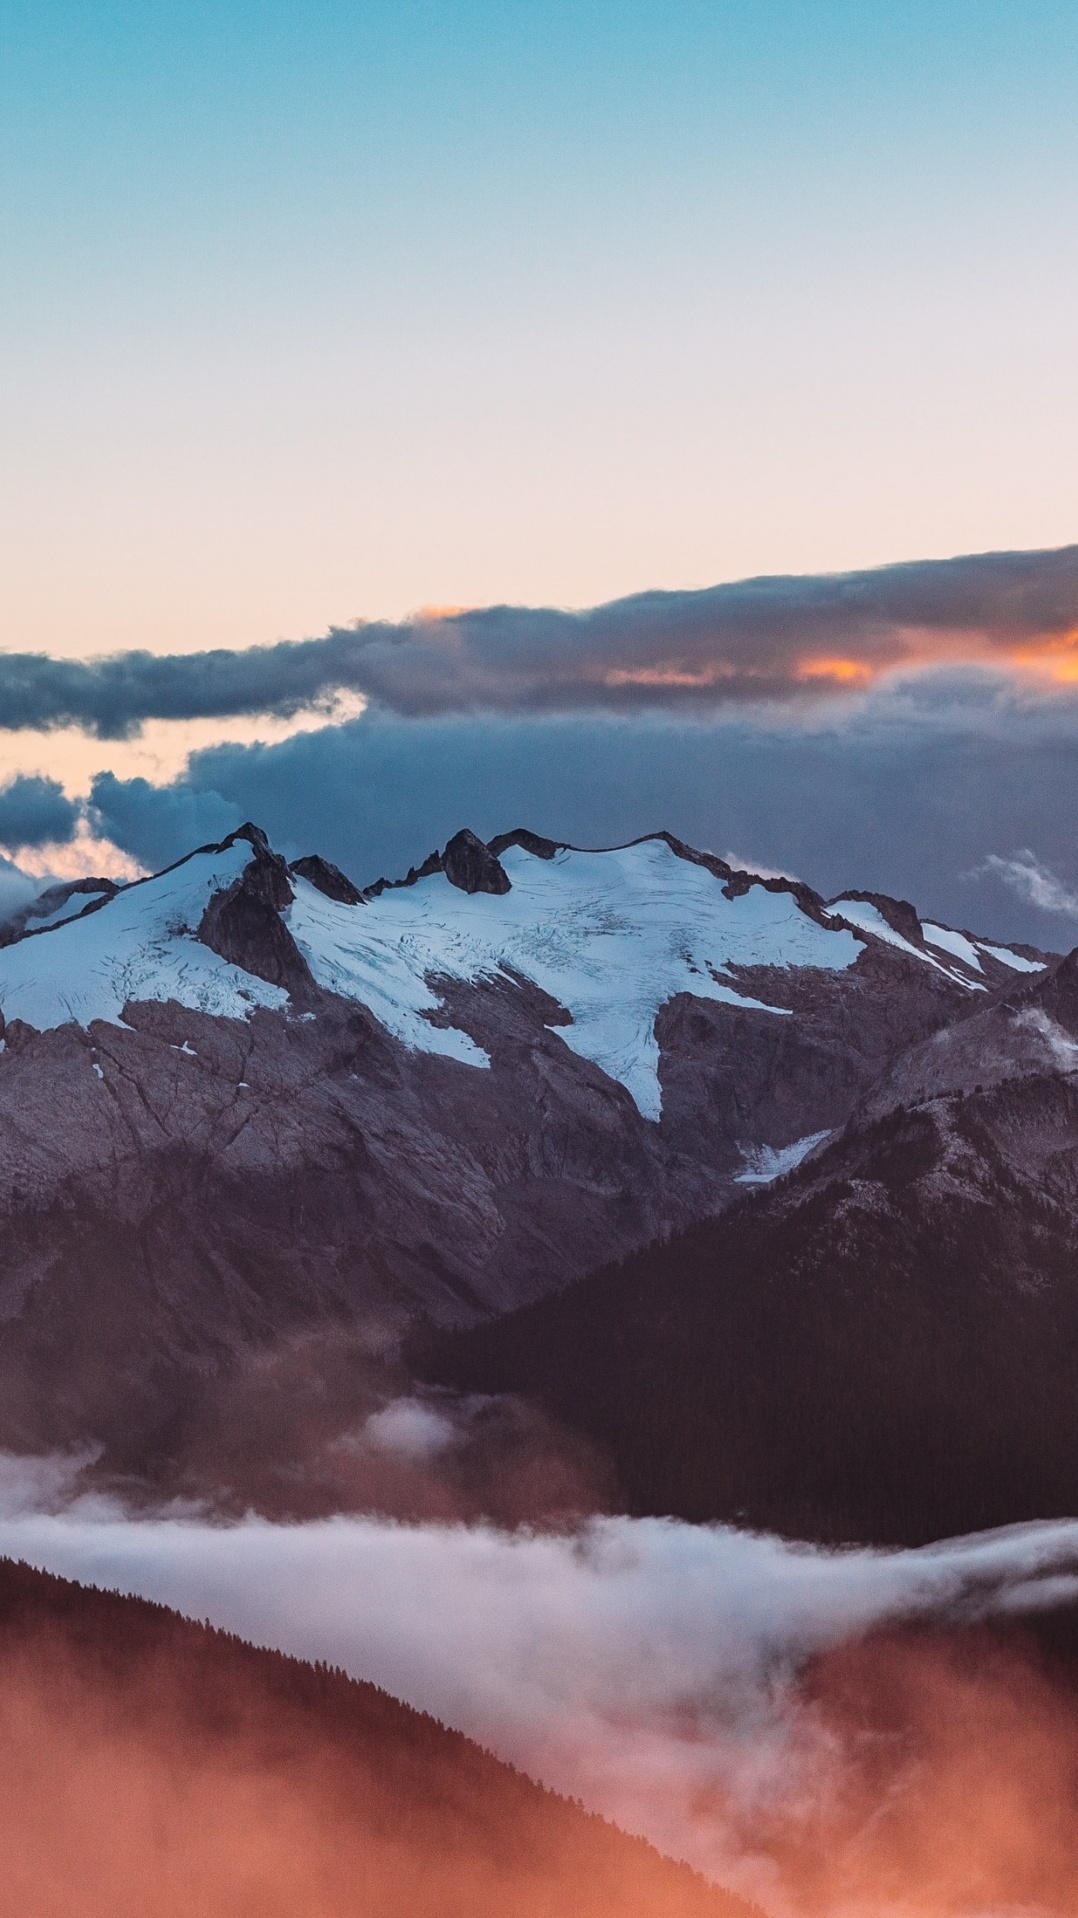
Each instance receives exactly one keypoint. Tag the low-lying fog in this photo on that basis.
(658, 1671)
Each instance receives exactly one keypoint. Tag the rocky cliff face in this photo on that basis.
(883, 1346)
(240, 1101)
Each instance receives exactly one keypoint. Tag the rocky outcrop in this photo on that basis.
(243, 923)
(467, 864)
(897, 913)
(472, 867)
(329, 879)
(431, 864)
(532, 842)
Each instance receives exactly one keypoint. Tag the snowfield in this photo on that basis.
(140, 945)
(610, 935)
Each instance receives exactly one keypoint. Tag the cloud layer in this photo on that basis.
(912, 793)
(869, 729)
(644, 1665)
(35, 811)
(786, 639)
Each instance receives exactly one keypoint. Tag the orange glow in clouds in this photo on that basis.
(1058, 657)
(849, 672)
(1047, 655)
(1050, 655)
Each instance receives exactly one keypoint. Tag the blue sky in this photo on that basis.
(329, 313)
(312, 313)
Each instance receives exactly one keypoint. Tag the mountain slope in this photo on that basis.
(155, 1764)
(242, 1102)
(882, 1347)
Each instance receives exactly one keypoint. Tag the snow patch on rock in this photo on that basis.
(763, 1163)
(861, 913)
(946, 940)
(1016, 960)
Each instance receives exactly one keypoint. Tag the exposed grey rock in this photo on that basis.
(898, 913)
(1029, 1031)
(244, 925)
(328, 878)
(431, 864)
(224, 1185)
(472, 867)
(467, 864)
(532, 842)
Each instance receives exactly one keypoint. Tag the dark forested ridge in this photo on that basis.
(882, 1348)
(148, 1757)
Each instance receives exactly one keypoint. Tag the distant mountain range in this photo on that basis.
(245, 1103)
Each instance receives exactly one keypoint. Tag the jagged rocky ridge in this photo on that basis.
(244, 1101)
(63, 901)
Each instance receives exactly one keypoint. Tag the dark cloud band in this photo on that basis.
(762, 640)
(923, 790)
(35, 811)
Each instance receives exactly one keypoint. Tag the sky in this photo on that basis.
(324, 315)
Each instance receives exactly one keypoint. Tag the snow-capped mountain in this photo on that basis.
(240, 1099)
(611, 937)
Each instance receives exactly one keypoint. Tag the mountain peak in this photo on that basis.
(610, 937)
